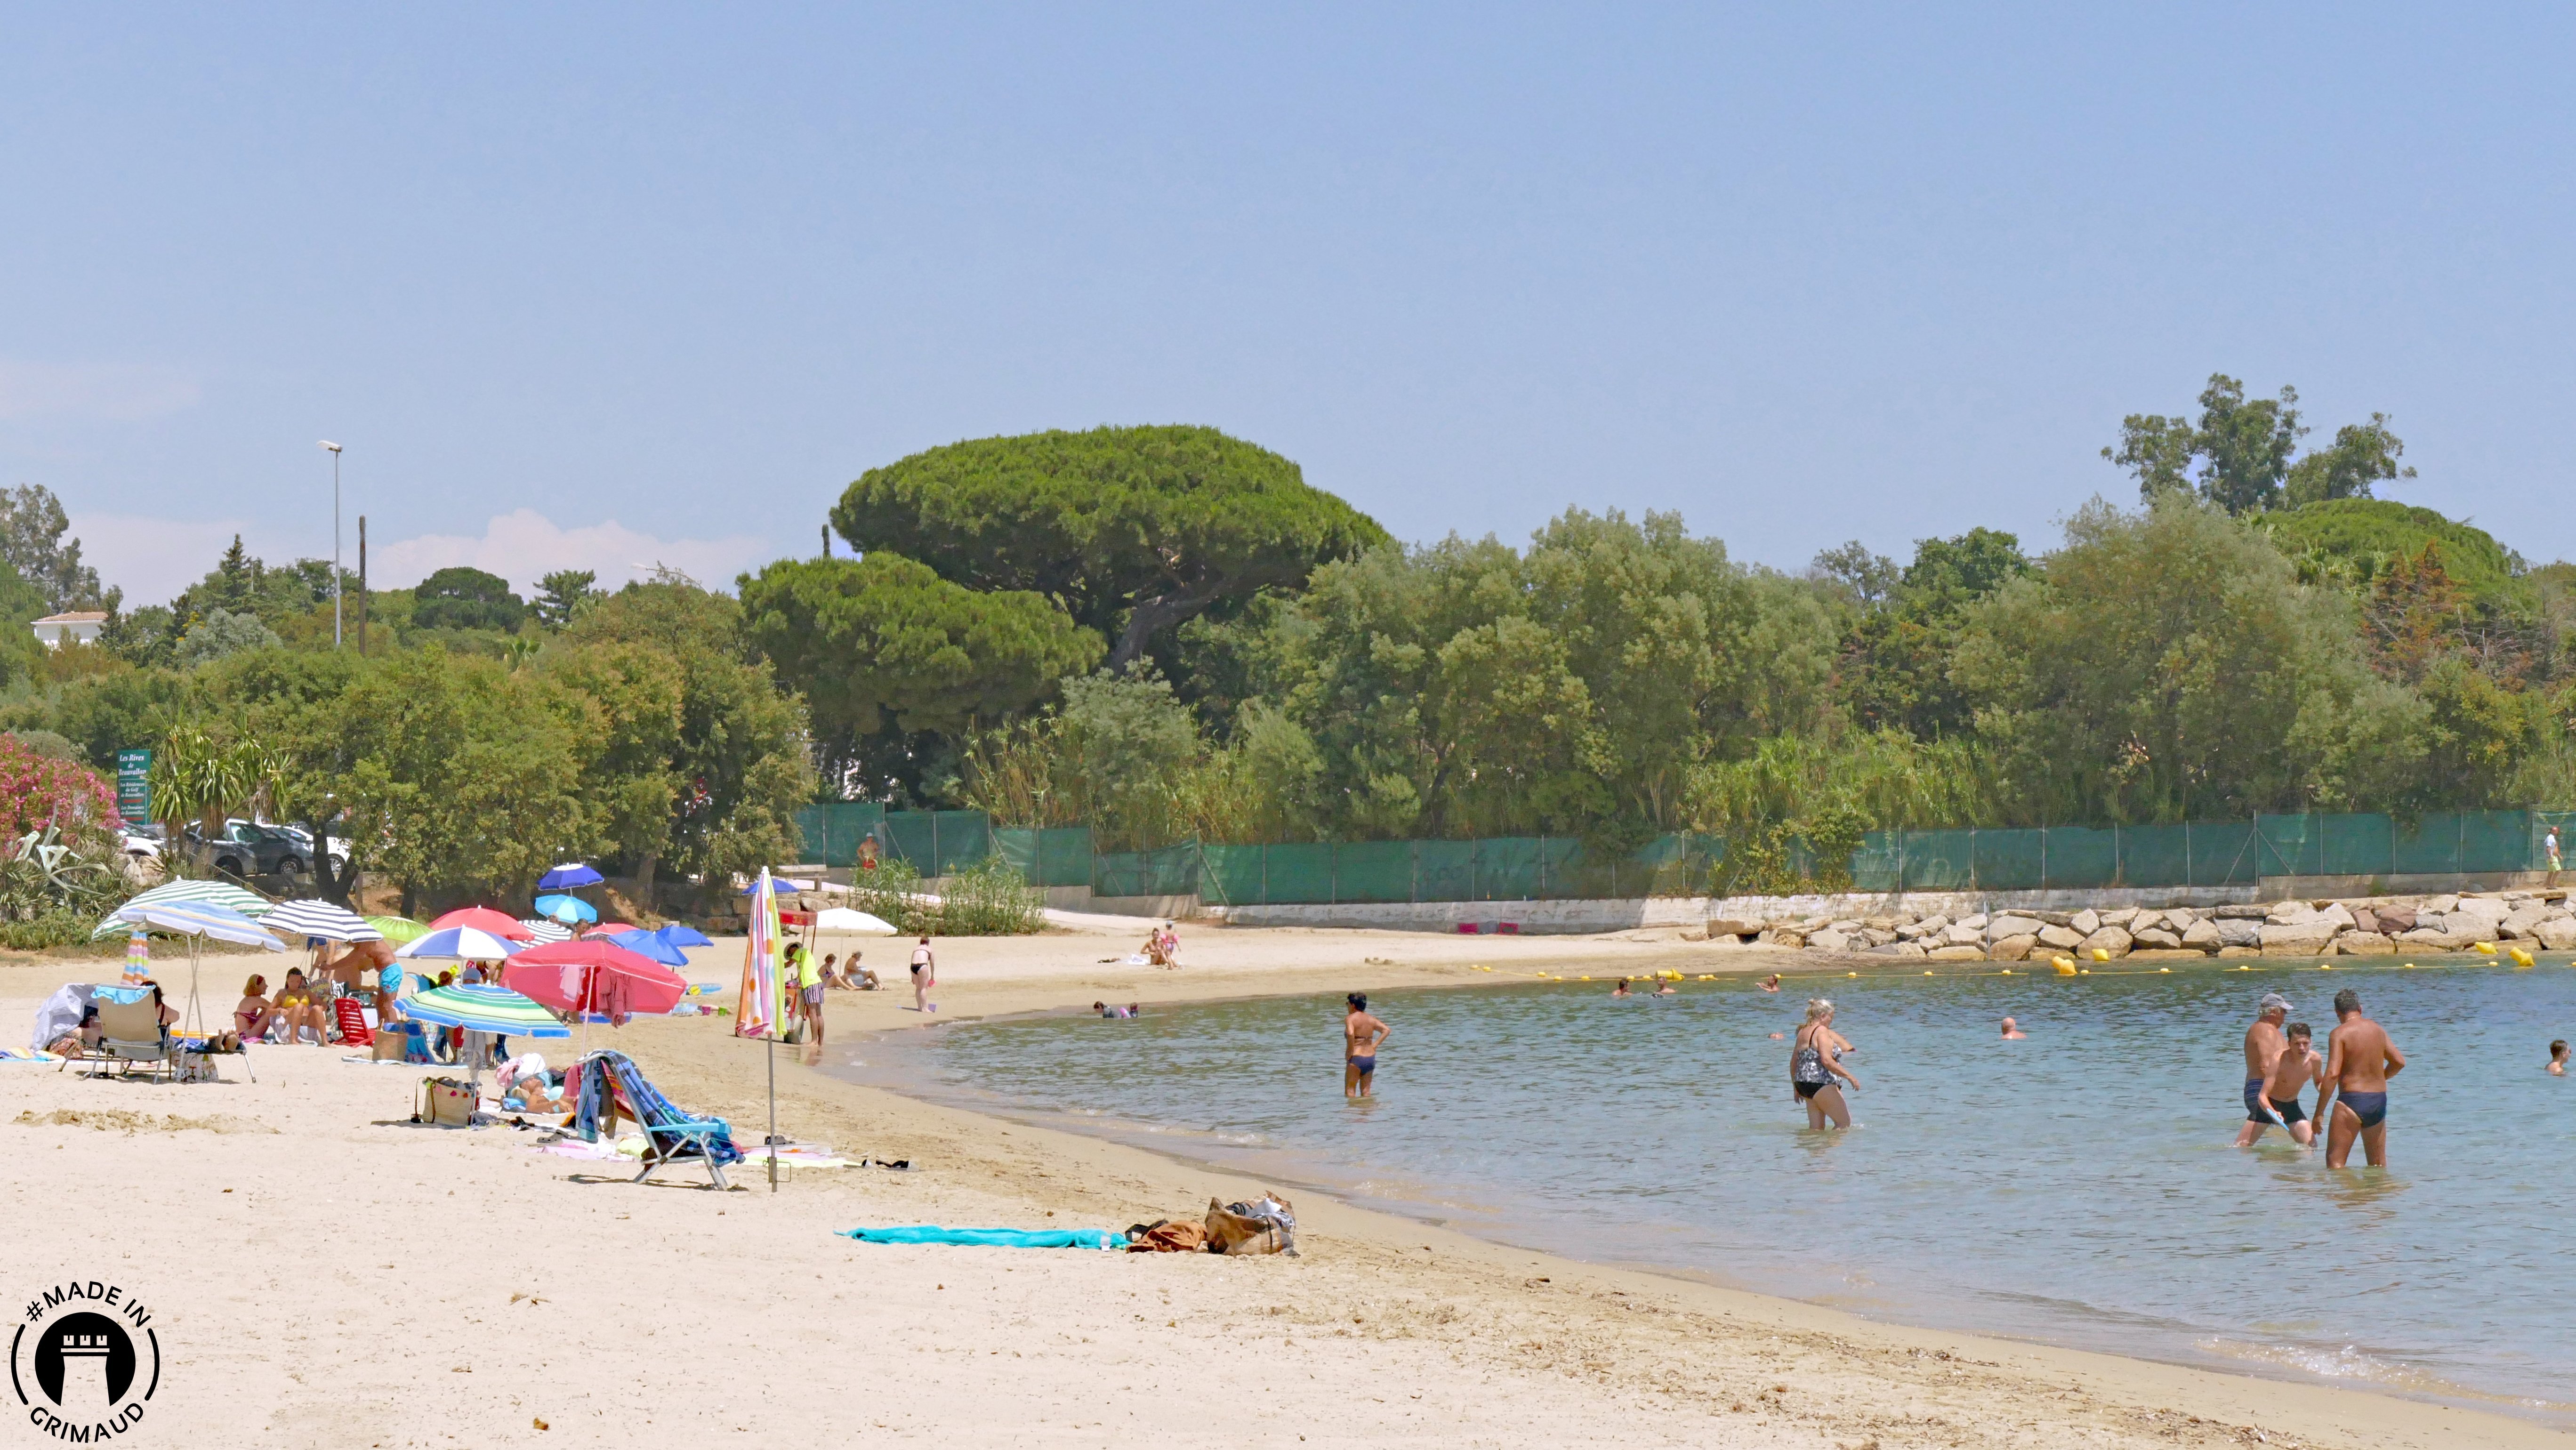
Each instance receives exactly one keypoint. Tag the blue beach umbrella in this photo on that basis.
(567, 908)
(568, 876)
(681, 934)
(649, 944)
(458, 944)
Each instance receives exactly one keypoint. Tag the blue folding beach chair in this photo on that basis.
(669, 1134)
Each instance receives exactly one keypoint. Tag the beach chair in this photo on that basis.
(353, 1023)
(130, 1034)
(610, 1081)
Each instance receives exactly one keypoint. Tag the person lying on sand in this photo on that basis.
(2012, 1032)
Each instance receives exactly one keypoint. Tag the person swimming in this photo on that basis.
(1621, 990)
(2558, 1058)
(2013, 1033)
(1772, 984)
(1667, 990)
(2360, 1059)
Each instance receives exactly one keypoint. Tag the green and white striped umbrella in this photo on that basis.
(482, 1007)
(399, 928)
(203, 893)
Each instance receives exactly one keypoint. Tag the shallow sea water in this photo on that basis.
(2077, 1187)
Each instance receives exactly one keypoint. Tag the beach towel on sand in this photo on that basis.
(1000, 1238)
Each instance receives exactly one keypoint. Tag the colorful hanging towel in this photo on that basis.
(999, 1238)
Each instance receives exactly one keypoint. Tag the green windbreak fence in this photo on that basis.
(1522, 868)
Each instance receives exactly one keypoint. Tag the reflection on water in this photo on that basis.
(2078, 1186)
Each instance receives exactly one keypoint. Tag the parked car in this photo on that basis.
(303, 837)
(143, 842)
(247, 848)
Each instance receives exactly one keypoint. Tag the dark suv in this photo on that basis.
(248, 849)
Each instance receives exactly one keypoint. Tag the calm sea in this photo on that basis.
(2077, 1187)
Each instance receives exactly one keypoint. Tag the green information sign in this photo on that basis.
(134, 785)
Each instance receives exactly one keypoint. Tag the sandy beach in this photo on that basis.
(323, 1272)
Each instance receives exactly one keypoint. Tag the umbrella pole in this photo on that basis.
(196, 1018)
(772, 1040)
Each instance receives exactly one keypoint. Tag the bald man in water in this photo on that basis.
(2360, 1059)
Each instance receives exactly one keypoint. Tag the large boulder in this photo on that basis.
(2238, 931)
(1898, 949)
(1784, 936)
(2526, 917)
(1829, 940)
(2485, 908)
(2338, 915)
(2012, 948)
(2124, 918)
(2435, 939)
(1957, 953)
(2084, 923)
(1877, 936)
(2363, 944)
(2297, 939)
(1732, 926)
(1976, 922)
(2110, 940)
(2003, 927)
(2064, 938)
(2556, 934)
(2155, 938)
(2288, 913)
(1964, 935)
(2439, 906)
(2242, 911)
(2202, 936)
(2394, 919)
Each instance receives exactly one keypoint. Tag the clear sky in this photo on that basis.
(599, 286)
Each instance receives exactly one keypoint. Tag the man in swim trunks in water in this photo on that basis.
(1361, 1034)
(2359, 1062)
(2263, 1044)
(2297, 1069)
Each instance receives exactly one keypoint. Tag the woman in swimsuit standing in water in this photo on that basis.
(1814, 1063)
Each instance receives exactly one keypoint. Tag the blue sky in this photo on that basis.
(607, 285)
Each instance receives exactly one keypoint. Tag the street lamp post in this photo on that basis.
(335, 540)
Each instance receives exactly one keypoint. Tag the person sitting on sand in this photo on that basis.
(299, 1006)
(1770, 984)
(253, 1017)
(862, 978)
(2558, 1058)
(1621, 990)
(832, 972)
(2012, 1032)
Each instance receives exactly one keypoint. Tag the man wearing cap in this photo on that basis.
(2263, 1045)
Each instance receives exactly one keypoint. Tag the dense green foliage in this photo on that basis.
(1134, 531)
(1165, 633)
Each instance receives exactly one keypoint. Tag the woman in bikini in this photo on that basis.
(298, 1007)
(252, 1017)
(1814, 1063)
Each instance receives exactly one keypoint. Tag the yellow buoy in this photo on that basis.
(2520, 957)
(2084, 971)
(2059, 962)
(2065, 968)
(2101, 954)
(2007, 971)
(1587, 979)
(1851, 974)
(2485, 947)
(2324, 967)
(1927, 974)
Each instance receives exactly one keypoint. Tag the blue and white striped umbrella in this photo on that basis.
(207, 893)
(483, 1007)
(458, 944)
(320, 919)
(189, 918)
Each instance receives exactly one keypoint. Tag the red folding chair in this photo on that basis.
(353, 1023)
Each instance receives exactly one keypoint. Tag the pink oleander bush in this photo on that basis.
(49, 898)
(37, 791)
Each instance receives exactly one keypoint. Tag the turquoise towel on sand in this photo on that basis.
(999, 1238)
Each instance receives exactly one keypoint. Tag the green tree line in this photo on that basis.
(1165, 633)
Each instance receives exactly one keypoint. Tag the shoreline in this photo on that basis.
(1386, 1330)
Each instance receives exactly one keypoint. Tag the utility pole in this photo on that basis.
(362, 583)
(335, 540)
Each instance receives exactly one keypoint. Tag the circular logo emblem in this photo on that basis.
(84, 1361)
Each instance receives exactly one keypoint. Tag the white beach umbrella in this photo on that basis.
(843, 918)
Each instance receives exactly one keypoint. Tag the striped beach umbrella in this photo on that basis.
(210, 893)
(482, 1007)
(195, 918)
(320, 919)
(458, 944)
(546, 932)
(758, 1012)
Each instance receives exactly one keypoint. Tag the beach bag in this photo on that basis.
(1167, 1237)
(446, 1103)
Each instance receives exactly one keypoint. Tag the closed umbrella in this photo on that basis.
(482, 918)
(569, 876)
(195, 920)
(567, 908)
(320, 919)
(459, 944)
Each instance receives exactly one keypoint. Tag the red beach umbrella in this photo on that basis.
(484, 918)
(585, 975)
